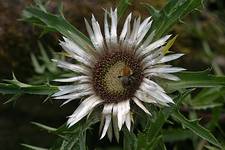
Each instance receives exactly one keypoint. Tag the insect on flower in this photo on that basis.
(126, 76)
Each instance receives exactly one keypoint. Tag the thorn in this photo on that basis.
(14, 77)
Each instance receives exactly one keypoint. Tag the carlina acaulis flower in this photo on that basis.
(115, 71)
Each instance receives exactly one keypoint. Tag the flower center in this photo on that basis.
(116, 76)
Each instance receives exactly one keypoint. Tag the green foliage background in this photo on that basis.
(195, 122)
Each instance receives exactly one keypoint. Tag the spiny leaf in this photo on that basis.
(170, 14)
(58, 23)
(74, 138)
(147, 139)
(31, 89)
(193, 80)
(196, 128)
(15, 82)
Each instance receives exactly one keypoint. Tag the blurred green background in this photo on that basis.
(201, 38)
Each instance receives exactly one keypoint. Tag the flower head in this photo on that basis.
(115, 71)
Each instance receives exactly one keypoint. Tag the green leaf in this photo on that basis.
(173, 135)
(38, 16)
(170, 14)
(158, 144)
(193, 80)
(9, 89)
(129, 140)
(152, 11)
(43, 65)
(74, 138)
(51, 66)
(122, 7)
(37, 67)
(30, 89)
(15, 82)
(146, 139)
(33, 147)
(44, 55)
(208, 98)
(42, 126)
(196, 128)
(16, 87)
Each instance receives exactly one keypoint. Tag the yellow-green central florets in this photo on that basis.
(116, 76)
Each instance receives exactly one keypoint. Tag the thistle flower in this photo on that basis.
(116, 72)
